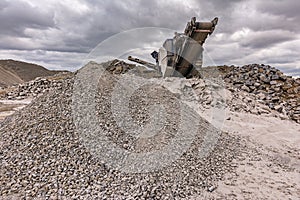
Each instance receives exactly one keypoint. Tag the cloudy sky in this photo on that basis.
(60, 34)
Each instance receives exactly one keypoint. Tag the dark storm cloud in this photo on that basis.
(17, 15)
(75, 27)
(266, 39)
(287, 8)
(111, 17)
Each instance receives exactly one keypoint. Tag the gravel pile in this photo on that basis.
(268, 86)
(33, 88)
(42, 156)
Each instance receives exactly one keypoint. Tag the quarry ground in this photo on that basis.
(259, 151)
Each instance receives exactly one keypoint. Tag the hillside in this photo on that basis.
(8, 77)
(15, 72)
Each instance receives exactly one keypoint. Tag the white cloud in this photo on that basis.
(50, 59)
(240, 34)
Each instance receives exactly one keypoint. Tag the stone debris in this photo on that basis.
(258, 89)
(268, 86)
(33, 88)
(42, 156)
(121, 67)
(254, 88)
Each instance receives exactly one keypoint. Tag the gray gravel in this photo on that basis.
(41, 154)
(33, 88)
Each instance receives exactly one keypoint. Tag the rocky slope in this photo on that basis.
(254, 86)
(8, 78)
(44, 156)
(257, 89)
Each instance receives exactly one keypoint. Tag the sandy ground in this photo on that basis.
(283, 135)
(271, 172)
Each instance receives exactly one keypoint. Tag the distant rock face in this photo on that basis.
(269, 86)
(8, 78)
(27, 71)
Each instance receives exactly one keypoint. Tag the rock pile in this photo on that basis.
(268, 86)
(254, 88)
(42, 156)
(258, 89)
(207, 94)
(33, 88)
(121, 67)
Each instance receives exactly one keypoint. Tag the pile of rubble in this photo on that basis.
(42, 156)
(255, 89)
(208, 95)
(120, 67)
(33, 88)
(266, 85)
